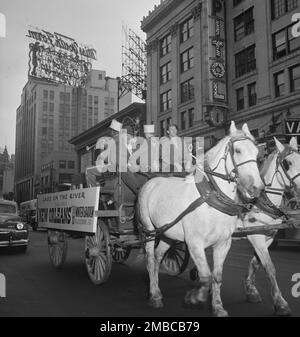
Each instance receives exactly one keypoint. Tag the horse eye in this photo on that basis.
(286, 164)
(238, 151)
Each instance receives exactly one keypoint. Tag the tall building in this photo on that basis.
(5, 164)
(49, 115)
(213, 61)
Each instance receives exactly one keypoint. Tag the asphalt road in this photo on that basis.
(36, 288)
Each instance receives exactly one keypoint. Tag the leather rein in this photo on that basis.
(210, 193)
(264, 203)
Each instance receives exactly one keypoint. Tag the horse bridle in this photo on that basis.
(230, 150)
(281, 162)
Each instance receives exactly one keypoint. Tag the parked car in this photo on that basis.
(28, 213)
(13, 231)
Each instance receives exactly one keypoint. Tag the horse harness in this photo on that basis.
(210, 193)
(264, 203)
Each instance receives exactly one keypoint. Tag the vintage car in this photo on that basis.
(13, 232)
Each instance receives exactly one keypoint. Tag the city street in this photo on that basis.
(35, 288)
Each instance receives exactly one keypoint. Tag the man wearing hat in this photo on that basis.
(105, 159)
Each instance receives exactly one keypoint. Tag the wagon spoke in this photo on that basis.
(98, 249)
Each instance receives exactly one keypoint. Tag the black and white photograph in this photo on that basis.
(149, 162)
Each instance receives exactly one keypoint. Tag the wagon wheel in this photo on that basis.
(57, 247)
(98, 259)
(176, 259)
(120, 254)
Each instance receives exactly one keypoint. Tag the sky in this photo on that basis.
(97, 23)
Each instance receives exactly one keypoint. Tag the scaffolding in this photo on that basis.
(134, 64)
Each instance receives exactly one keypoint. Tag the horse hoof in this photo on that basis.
(283, 311)
(156, 304)
(253, 298)
(221, 313)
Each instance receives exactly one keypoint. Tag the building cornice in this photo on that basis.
(159, 12)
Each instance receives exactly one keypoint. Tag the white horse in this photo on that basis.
(280, 171)
(233, 163)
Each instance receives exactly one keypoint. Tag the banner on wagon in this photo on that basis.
(72, 210)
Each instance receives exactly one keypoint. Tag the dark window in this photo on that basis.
(187, 60)
(165, 73)
(45, 94)
(252, 97)
(284, 43)
(243, 24)
(62, 164)
(279, 84)
(191, 117)
(44, 131)
(187, 90)
(45, 106)
(165, 45)
(71, 164)
(186, 30)
(166, 101)
(245, 61)
(51, 107)
(295, 77)
(65, 178)
(183, 120)
(240, 102)
(280, 7)
(52, 95)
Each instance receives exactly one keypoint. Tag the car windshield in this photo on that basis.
(7, 209)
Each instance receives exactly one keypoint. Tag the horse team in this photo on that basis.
(232, 169)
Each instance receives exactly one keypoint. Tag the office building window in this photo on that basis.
(186, 29)
(62, 164)
(244, 24)
(165, 45)
(65, 178)
(166, 101)
(71, 164)
(51, 107)
(284, 43)
(191, 113)
(252, 97)
(100, 77)
(96, 100)
(44, 131)
(45, 106)
(279, 83)
(295, 77)
(294, 42)
(240, 102)
(187, 60)
(280, 7)
(45, 94)
(187, 90)
(183, 120)
(165, 73)
(245, 61)
(51, 95)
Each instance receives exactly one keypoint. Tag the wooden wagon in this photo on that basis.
(105, 217)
